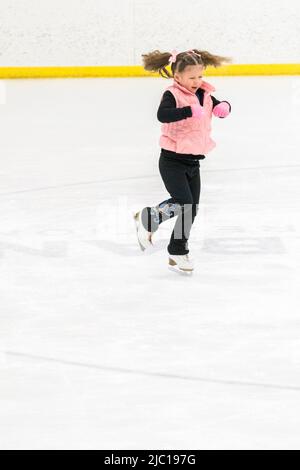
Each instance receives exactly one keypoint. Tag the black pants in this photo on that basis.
(182, 180)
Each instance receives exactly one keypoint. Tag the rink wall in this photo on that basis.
(98, 38)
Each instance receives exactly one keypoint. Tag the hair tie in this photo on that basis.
(197, 53)
(172, 59)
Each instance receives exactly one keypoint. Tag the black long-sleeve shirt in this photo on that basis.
(167, 112)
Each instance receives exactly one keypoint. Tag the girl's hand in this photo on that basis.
(221, 110)
(197, 110)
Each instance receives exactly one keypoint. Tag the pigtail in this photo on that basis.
(212, 59)
(157, 61)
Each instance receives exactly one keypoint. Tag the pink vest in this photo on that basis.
(190, 135)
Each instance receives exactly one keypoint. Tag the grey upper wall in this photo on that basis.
(117, 32)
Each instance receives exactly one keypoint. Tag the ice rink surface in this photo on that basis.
(101, 346)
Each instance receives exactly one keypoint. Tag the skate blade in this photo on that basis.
(135, 218)
(182, 272)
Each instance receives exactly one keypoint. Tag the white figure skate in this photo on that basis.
(144, 237)
(181, 263)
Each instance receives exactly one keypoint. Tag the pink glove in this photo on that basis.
(221, 110)
(197, 110)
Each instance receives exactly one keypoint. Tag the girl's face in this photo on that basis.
(191, 77)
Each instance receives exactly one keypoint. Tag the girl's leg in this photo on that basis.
(152, 217)
(176, 179)
(195, 187)
(183, 184)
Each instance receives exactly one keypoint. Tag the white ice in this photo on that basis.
(101, 346)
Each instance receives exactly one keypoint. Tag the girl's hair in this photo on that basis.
(157, 61)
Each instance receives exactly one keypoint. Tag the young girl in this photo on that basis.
(186, 109)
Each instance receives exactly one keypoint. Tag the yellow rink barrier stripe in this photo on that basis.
(138, 71)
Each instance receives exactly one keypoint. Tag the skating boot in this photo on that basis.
(144, 237)
(181, 263)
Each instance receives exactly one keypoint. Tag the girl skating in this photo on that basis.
(186, 110)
